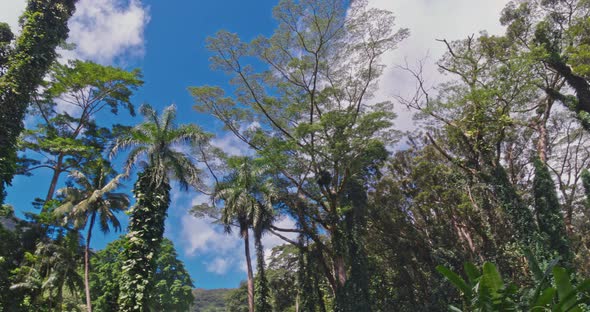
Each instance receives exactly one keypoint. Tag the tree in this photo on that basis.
(554, 35)
(247, 199)
(237, 299)
(51, 273)
(172, 290)
(68, 134)
(307, 114)
(282, 276)
(95, 198)
(154, 144)
(549, 215)
(44, 26)
(6, 37)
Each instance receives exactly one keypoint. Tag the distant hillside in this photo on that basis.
(210, 300)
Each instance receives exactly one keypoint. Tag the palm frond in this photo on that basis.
(168, 117)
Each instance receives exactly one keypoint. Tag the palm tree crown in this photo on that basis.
(94, 196)
(156, 144)
(247, 197)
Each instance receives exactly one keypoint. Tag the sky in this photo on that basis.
(166, 40)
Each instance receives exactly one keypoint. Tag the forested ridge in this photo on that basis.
(483, 206)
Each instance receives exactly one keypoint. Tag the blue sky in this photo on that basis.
(166, 40)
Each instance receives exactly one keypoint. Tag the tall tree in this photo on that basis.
(173, 285)
(93, 199)
(307, 113)
(247, 199)
(549, 214)
(554, 34)
(44, 26)
(475, 118)
(68, 134)
(155, 144)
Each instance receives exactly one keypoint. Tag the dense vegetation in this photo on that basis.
(210, 300)
(484, 206)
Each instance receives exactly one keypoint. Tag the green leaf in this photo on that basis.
(456, 280)
(568, 301)
(492, 279)
(533, 264)
(564, 288)
(545, 298)
(454, 309)
(473, 273)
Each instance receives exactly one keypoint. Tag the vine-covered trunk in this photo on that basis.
(57, 170)
(87, 263)
(549, 215)
(354, 296)
(249, 268)
(45, 25)
(262, 296)
(520, 216)
(146, 229)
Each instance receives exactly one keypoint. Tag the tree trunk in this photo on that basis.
(56, 172)
(145, 232)
(340, 270)
(87, 263)
(249, 268)
(262, 298)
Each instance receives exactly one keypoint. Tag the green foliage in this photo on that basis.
(210, 300)
(548, 212)
(173, 286)
(313, 125)
(50, 275)
(44, 26)
(68, 136)
(146, 229)
(154, 139)
(282, 277)
(237, 299)
(262, 291)
(484, 290)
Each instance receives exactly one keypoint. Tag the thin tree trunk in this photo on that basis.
(340, 270)
(87, 263)
(56, 172)
(250, 274)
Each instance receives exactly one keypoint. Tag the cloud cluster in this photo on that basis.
(427, 21)
(102, 30)
(10, 11)
(106, 29)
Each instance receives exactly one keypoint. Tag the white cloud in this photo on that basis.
(202, 236)
(10, 11)
(105, 29)
(101, 29)
(219, 266)
(270, 241)
(429, 20)
(230, 144)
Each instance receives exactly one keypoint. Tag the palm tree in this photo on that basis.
(247, 201)
(156, 145)
(95, 198)
(51, 270)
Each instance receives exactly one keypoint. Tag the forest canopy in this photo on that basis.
(482, 205)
